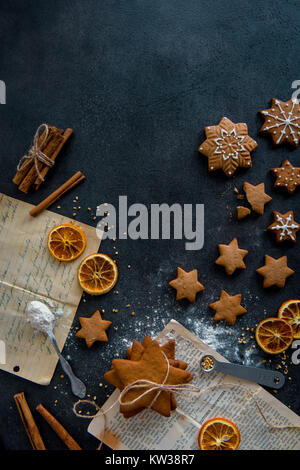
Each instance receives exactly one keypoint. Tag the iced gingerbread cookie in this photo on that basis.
(284, 226)
(227, 146)
(282, 121)
(287, 176)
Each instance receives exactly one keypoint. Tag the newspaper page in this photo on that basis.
(150, 431)
(28, 272)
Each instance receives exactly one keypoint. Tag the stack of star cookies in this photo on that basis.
(148, 361)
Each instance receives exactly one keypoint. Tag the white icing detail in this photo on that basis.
(230, 144)
(287, 121)
(285, 227)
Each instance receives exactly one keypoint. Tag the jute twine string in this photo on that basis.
(35, 154)
(186, 391)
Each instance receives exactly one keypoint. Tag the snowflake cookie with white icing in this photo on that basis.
(282, 121)
(284, 226)
(228, 146)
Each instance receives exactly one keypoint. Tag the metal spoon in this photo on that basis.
(42, 319)
(265, 377)
(77, 386)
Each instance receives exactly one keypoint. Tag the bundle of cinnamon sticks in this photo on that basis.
(32, 171)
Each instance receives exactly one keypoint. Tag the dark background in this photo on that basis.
(138, 81)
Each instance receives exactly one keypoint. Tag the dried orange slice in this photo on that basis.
(274, 335)
(219, 434)
(66, 242)
(97, 274)
(290, 311)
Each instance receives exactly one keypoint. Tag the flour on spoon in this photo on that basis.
(40, 316)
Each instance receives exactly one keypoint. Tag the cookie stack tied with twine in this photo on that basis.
(151, 377)
(34, 166)
(148, 378)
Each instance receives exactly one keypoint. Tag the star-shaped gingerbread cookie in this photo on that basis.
(153, 367)
(275, 271)
(287, 176)
(284, 226)
(93, 329)
(187, 284)
(282, 121)
(256, 196)
(135, 353)
(227, 146)
(231, 257)
(228, 307)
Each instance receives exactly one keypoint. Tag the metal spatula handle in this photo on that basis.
(269, 378)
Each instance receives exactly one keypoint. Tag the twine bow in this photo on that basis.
(35, 154)
(182, 390)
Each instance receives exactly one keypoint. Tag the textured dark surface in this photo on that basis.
(138, 81)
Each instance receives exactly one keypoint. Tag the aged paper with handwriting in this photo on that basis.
(28, 272)
(150, 431)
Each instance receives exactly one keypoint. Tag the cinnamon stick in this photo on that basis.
(67, 134)
(31, 174)
(52, 145)
(29, 423)
(71, 183)
(58, 428)
(22, 172)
